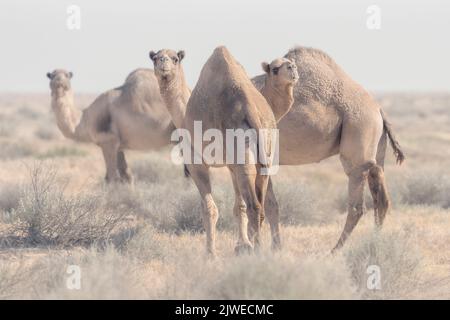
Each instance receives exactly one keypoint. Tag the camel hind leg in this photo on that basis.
(110, 151)
(356, 207)
(377, 184)
(240, 212)
(124, 170)
(272, 211)
(252, 188)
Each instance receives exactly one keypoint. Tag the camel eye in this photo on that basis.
(275, 71)
(175, 60)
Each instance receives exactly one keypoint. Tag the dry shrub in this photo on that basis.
(298, 202)
(396, 255)
(155, 169)
(11, 279)
(147, 244)
(105, 274)
(282, 277)
(59, 152)
(258, 276)
(10, 195)
(46, 216)
(173, 206)
(47, 133)
(11, 150)
(426, 187)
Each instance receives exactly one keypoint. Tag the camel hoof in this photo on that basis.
(128, 179)
(243, 248)
(335, 249)
(112, 181)
(211, 256)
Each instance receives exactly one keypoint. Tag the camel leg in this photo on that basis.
(272, 211)
(360, 137)
(240, 212)
(124, 171)
(252, 188)
(110, 151)
(377, 184)
(200, 175)
(357, 178)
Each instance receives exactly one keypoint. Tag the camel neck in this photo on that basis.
(67, 117)
(280, 98)
(176, 95)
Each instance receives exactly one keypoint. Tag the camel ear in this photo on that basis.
(152, 55)
(49, 75)
(266, 67)
(70, 74)
(181, 54)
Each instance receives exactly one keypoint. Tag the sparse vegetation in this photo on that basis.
(45, 216)
(427, 187)
(396, 255)
(11, 151)
(147, 240)
(46, 133)
(62, 152)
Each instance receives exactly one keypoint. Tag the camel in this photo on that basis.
(132, 116)
(224, 98)
(332, 114)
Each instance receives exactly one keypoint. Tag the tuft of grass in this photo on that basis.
(297, 202)
(104, 274)
(394, 254)
(12, 150)
(46, 133)
(282, 277)
(426, 187)
(153, 169)
(26, 112)
(45, 216)
(59, 152)
(10, 195)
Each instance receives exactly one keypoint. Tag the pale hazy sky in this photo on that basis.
(410, 52)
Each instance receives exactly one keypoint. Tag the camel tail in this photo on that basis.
(265, 139)
(400, 156)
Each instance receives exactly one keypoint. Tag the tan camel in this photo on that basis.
(332, 114)
(132, 116)
(224, 98)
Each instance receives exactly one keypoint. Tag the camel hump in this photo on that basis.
(221, 50)
(223, 64)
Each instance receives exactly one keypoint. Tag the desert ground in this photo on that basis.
(146, 241)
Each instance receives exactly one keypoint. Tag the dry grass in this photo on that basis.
(45, 216)
(147, 241)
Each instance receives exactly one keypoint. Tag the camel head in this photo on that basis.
(167, 63)
(59, 81)
(281, 72)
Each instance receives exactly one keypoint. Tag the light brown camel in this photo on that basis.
(224, 98)
(332, 114)
(132, 116)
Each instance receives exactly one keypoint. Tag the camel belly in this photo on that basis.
(309, 134)
(140, 132)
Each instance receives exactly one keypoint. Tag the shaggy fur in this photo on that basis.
(332, 114)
